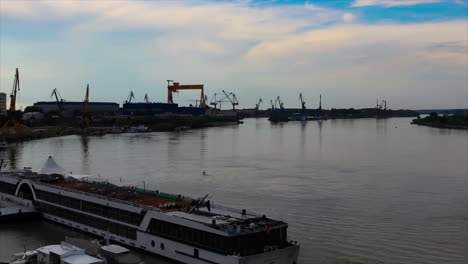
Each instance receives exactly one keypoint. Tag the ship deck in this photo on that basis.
(168, 203)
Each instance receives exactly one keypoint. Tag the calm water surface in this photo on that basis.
(352, 191)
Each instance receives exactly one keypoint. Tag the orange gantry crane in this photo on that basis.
(174, 87)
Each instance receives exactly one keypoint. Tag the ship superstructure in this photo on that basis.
(177, 227)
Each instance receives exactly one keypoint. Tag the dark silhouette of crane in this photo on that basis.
(129, 98)
(233, 100)
(303, 111)
(146, 99)
(257, 105)
(11, 113)
(58, 98)
(273, 105)
(280, 103)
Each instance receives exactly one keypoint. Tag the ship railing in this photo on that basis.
(159, 194)
(235, 210)
(101, 197)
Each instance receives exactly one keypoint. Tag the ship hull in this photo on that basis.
(76, 217)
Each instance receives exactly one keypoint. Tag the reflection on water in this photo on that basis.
(84, 140)
(352, 191)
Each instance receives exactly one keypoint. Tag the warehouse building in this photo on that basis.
(77, 106)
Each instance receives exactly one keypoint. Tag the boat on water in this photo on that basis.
(181, 228)
(54, 254)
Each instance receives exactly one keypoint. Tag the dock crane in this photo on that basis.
(174, 87)
(12, 121)
(129, 98)
(233, 101)
(57, 95)
(146, 99)
(86, 118)
(215, 101)
(280, 103)
(302, 103)
(273, 107)
(257, 105)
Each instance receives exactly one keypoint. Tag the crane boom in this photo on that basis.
(12, 120)
(257, 105)
(233, 101)
(16, 88)
(280, 103)
(58, 98)
(302, 103)
(130, 97)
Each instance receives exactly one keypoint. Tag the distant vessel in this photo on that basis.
(177, 227)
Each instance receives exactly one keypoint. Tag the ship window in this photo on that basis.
(195, 253)
(162, 246)
(152, 243)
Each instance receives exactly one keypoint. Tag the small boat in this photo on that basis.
(113, 254)
(28, 257)
(181, 128)
(137, 129)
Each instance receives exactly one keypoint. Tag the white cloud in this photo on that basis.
(348, 17)
(253, 51)
(392, 3)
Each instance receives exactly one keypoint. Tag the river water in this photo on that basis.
(352, 191)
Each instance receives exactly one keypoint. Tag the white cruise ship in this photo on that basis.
(174, 226)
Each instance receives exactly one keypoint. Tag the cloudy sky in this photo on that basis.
(413, 53)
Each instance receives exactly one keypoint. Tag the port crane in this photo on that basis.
(12, 122)
(257, 105)
(129, 98)
(146, 99)
(233, 101)
(280, 103)
(273, 107)
(57, 95)
(86, 118)
(319, 110)
(302, 103)
(214, 102)
(174, 87)
(382, 105)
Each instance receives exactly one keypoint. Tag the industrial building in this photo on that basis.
(3, 103)
(77, 106)
(149, 108)
(160, 108)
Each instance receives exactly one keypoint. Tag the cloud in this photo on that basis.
(348, 17)
(392, 3)
(254, 51)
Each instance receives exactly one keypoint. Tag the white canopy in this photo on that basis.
(51, 167)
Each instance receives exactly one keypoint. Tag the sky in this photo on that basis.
(412, 53)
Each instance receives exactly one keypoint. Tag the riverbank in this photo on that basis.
(63, 127)
(452, 122)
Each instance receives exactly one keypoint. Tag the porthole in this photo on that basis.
(162, 246)
(152, 243)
